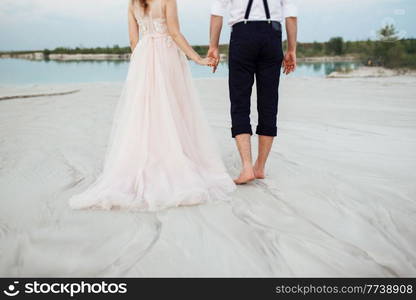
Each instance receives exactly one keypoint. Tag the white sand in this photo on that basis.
(364, 72)
(340, 198)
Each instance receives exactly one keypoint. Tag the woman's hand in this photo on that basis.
(207, 61)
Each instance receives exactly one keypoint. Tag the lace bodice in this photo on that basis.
(149, 25)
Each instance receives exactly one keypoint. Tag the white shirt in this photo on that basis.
(279, 10)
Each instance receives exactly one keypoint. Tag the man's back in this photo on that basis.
(279, 9)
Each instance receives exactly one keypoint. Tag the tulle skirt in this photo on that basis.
(161, 152)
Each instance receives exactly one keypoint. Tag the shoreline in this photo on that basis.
(321, 59)
(66, 57)
(123, 57)
(40, 90)
(372, 72)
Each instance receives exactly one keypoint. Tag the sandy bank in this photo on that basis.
(363, 72)
(339, 199)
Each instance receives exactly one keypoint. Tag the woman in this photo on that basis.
(161, 152)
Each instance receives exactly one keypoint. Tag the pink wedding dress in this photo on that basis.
(161, 152)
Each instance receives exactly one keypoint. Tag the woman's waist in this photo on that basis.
(157, 38)
(155, 35)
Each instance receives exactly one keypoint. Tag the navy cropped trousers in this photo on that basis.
(255, 50)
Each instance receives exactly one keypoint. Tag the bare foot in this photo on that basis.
(246, 176)
(258, 172)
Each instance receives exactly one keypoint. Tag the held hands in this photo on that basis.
(289, 62)
(211, 60)
(207, 61)
(214, 53)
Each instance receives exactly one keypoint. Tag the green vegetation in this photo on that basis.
(391, 52)
(116, 49)
(19, 52)
(387, 51)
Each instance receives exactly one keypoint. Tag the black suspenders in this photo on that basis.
(266, 9)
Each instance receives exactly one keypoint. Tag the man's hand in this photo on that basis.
(215, 54)
(289, 62)
(214, 33)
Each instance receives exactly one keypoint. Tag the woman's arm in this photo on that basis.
(133, 28)
(174, 31)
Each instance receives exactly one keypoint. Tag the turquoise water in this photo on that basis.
(20, 71)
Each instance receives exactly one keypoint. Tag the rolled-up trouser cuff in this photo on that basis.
(241, 130)
(268, 131)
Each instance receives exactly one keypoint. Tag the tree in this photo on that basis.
(388, 33)
(335, 46)
(46, 54)
(317, 47)
(388, 51)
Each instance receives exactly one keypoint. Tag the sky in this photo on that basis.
(40, 24)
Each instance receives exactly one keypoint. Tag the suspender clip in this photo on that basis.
(266, 10)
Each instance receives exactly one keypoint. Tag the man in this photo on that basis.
(255, 50)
